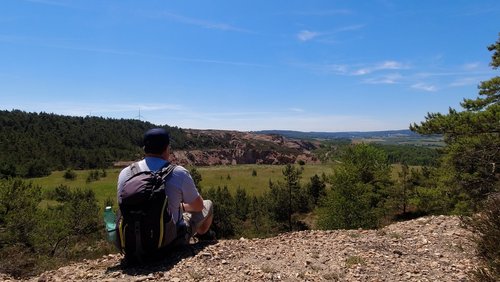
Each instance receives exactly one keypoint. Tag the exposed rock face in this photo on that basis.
(235, 147)
(425, 249)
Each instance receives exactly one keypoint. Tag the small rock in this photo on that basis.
(397, 252)
(141, 278)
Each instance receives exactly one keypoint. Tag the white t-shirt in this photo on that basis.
(179, 188)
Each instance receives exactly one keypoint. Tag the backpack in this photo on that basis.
(145, 224)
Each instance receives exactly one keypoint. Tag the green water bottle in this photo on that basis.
(110, 223)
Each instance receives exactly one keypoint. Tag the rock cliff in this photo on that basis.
(234, 147)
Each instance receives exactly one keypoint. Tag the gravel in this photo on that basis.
(434, 248)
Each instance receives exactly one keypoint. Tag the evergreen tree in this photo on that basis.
(19, 202)
(470, 170)
(472, 137)
(241, 204)
(288, 197)
(259, 216)
(316, 189)
(360, 190)
(224, 219)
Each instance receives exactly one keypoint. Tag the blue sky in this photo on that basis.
(246, 65)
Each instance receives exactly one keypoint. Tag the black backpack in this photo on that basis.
(145, 224)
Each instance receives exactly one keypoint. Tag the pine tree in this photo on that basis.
(472, 137)
(360, 190)
(472, 158)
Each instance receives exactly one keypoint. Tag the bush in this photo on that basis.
(94, 175)
(35, 237)
(359, 194)
(70, 175)
(37, 168)
(18, 210)
(224, 219)
(487, 227)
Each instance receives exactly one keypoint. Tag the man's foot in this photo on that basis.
(207, 236)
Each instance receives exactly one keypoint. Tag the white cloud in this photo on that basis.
(359, 69)
(203, 23)
(387, 65)
(306, 35)
(56, 43)
(471, 66)
(390, 65)
(348, 28)
(330, 12)
(99, 109)
(362, 71)
(338, 69)
(424, 86)
(61, 3)
(385, 79)
(297, 110)
(465, 81)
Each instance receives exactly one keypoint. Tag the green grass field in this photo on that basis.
(242, 176)
(103, 188)
(230, 176)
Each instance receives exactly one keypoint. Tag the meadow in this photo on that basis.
(253, 178)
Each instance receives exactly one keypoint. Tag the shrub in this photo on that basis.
(94, 175)
(70, 175)
(359, 191)
(37, 168)
(487, 226)
(35, 237)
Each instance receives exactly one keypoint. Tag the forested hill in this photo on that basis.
(33, 144)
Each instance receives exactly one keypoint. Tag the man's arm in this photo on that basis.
(194, 206)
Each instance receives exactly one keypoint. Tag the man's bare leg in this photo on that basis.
(203, 228)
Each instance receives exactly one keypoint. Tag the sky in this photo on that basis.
(246, 65)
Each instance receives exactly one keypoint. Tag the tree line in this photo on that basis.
(413, 155)
(34, 144)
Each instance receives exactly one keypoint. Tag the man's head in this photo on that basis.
(156, 141)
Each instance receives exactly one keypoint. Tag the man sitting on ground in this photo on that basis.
(184, 201)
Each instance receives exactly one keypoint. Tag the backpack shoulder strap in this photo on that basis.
(134, 168)
(167, 170)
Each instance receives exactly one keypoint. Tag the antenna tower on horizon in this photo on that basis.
(139, 117)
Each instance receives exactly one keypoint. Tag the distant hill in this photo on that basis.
(338, 135)
(33, 144)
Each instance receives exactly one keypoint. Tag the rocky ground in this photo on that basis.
(426, 249)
